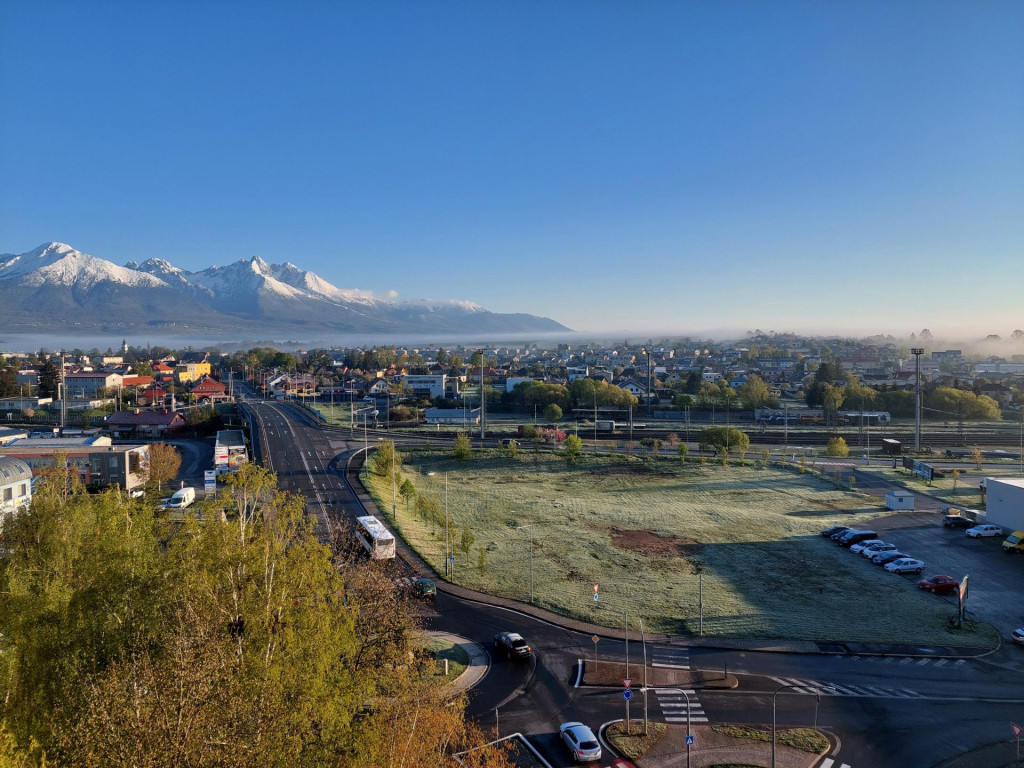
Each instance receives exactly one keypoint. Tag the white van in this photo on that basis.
(184, 497)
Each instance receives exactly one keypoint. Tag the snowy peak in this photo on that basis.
(60, 264)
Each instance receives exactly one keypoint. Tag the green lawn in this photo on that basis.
(647, 530)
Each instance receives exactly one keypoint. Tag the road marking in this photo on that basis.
(923, 661)
(669, 666)
(958, 662)
(683, 719)
(941, 662)
(905, 661)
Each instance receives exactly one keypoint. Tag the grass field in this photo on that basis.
(650, 531)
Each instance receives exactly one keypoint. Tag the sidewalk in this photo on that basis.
(711, 748)
(479, 661)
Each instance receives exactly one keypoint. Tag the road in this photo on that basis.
(884, 711)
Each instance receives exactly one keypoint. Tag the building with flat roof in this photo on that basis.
(99, 464)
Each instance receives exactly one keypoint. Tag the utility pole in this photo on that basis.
(917, 352)
(483, 397)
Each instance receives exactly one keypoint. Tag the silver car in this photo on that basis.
(878, 549)
(581, 742)
(861, 546)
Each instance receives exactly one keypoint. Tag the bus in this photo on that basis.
(376, 539)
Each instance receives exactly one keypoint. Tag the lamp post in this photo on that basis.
(530, 528)
(777, 691)
(648, 353)
(917, 352)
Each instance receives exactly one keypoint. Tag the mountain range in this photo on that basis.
(57, 288)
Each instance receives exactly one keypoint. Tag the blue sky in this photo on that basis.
(652, 166)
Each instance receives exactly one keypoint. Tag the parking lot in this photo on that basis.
(996, 578)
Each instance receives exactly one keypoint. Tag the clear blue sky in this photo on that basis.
(676, 166)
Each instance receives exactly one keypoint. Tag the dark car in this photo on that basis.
(887, 557)
(424, 587)
(939, 584)
(828, 533)
(957, 521)
(512, 645)
(855, 536)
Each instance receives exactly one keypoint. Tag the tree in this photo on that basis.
(976, 457)
(386, 459)
(724, 439)
(407, 491)
(164, 463)
(466, 541)
(553, 413)
(49, 378)
(754, 393)
(837, 448)
(831, 401)
(573, 448)
(463, 449)
(682, 451)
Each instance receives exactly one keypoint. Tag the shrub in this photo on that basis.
(837, 448)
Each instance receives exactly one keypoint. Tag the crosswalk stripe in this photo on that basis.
(683, 719)
(889, 660)
(941, 662)
(828, 762)
(673, 691)
(681, 704)
(911, 694)
(958, 662)
(876, 691)
(923, 661)
(669, 666)
(905, 661)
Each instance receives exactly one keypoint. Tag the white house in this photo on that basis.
(431, 385)
(15, 486)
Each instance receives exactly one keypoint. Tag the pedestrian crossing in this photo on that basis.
(906, 661)
(405, 582)
(679, 705)
(834, 689)
(670, 658)
(828, 762)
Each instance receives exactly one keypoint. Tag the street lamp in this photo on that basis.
(917, 352)
(648, 353)
(530, 528)
(777, 690)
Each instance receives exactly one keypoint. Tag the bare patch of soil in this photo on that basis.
(654, 544)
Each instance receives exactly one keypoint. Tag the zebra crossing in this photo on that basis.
(675, 703)
(906, 661)
(828, 762)
(846, 689)
(671, 658)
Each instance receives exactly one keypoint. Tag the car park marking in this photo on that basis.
(923, 661)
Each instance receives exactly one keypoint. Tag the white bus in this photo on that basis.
(377, 539)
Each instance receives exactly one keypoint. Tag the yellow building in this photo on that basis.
(187, 372)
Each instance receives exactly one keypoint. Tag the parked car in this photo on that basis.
(905, 565)
(984, 530)
(862, 545)
(939, 584)
(828, 533)
(512, 645)
(840, 533)
(855, 537)
(878, 549)
(1018, 635)
(1014, 542)
(581, 741)
(508, 442)
(957, 521)
(887, 557)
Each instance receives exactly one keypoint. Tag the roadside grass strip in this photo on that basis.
(648, 531)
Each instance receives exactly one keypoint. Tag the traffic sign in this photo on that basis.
(595, 597)
(690, 741)
(627, 682)
(1017, 730)
(627, 694)
(595, 638)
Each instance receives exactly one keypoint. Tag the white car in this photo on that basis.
(984, 530)
(865, 545)
(1018, 636)
(878, 549)
(905, 565)
(581, 742)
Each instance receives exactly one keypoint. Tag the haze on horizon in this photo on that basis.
(703, 167)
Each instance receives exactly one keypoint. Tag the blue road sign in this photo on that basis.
(627, 695)
(689, 741)
(595, 597)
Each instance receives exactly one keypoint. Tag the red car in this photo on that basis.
(940, 584)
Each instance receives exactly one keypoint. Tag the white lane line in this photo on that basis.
(681, 704)
(683, 719)
(669, 666)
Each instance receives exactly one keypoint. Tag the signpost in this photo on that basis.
(210, 482)
(962, 599)
(595, 638)
(595, 592)
(1016, 733)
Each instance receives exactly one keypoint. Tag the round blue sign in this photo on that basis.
(627, 695)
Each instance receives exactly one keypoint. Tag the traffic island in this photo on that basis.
(716, 746)
(611, 674)
(638, 741)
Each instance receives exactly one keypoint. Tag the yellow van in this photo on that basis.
(1014, 542)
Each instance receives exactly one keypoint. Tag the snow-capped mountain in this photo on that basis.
(54, 286)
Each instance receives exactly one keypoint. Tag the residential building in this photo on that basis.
(15, 486)
(425, 385)
(88, 384)
(144, 423)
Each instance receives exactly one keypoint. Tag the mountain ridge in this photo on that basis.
(55, 285)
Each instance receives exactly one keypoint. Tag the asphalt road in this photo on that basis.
(883, 711)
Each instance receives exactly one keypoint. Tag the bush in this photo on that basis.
(463, 448)
(837, 448)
